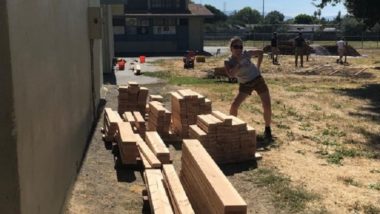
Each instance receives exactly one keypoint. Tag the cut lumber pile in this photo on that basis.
(127, 142)
(159, 118)
(157, 98)
(208, 189)
(137, 121)
(158, 147)
(132, 98)
(144, 161)
(186, 106)
(158, 199)
(177, 195)
(148, 155)
(111, 118)
(226, 138)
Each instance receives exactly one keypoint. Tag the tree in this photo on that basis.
(274, 17)
(376, 28)
(352, 26)
(303, 19)
(368, 10)
(219, 16)
(338, 18)
(247, 15)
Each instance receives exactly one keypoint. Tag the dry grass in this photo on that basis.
(327, 125)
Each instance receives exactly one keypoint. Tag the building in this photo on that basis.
(305, 28)
(50, 84)
(155, 27)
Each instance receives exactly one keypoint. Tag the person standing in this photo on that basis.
(299, 44)
(248, 74)
(274, 49)
(342, 50)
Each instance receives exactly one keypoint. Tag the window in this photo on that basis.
(165, 22)
(131, 22)
(166, 4)
(118, 30)
(164, 26)
(164, 30)
(136, 26)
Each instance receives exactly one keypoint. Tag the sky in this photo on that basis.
(287, 7)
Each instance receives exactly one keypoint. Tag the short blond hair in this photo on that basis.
(235, 39)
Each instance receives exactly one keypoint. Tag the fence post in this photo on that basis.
(362, 40)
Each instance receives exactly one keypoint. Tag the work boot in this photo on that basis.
(268, 133)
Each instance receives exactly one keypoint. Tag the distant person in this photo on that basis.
(274, 49)
(342, 51)
(299, 44)
(239, 65)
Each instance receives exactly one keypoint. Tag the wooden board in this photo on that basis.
(128, 117)
(149, 155)
(215, 186)
(177, 194)
(155, 143)
(159, 201)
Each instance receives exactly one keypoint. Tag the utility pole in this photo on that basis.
(263, 10)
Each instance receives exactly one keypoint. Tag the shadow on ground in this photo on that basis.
(100, 108)
(231, 169)
(371, 112)
(109, 79)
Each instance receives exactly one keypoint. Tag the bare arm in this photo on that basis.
(259, 54)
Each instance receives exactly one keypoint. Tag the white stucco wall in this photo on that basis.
(50, 70)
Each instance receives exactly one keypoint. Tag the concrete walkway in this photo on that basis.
(124, 76)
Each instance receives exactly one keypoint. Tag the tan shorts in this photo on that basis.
(258, 84)
(341, 51)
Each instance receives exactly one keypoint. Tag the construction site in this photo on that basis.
(131, 114)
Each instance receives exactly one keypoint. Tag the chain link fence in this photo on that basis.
(364, 41)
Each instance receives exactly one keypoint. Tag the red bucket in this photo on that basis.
(142, 59)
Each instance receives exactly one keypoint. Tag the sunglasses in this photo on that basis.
(237, 46)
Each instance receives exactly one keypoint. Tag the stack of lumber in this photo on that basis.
(147, 155)
(127, 142)
(186, 106)
(137, 121)
(208, 189)
(158, 199)
(158, 147)
(159, 118)
(132, 147)
(132, 98)
(200, 59)
(177, 195)
(226, 138)
(157, 98)
(111, 118)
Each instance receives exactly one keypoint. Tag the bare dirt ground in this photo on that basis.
(327, 127)
(102, 188)
(325, 157)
